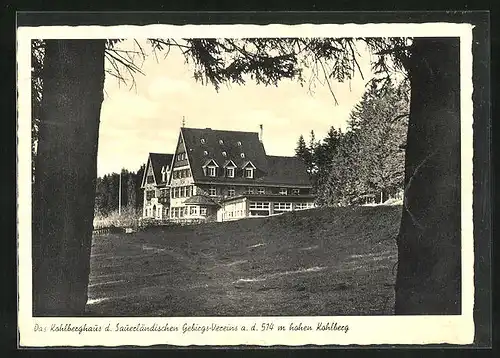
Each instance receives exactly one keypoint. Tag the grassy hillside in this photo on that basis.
(316, 262)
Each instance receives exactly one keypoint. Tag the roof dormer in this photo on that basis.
(210, 168)
(229, 168)
(248, 170)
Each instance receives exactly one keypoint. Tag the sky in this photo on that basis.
(147, 118)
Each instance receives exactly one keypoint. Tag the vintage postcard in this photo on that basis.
(224, 185)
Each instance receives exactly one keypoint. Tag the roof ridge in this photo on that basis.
(220, 130)
(282, 156)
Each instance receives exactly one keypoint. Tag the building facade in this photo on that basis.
(227, 175)
(156, 201)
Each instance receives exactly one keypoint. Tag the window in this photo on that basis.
(302, 206)
(221, 142)
(150, 179)
(231, 191)
(212, 191)
(295, 191)
(239, 144)
(211, 171)
(150, 194)
(261, 191)
(189, 191)
(182, 212)
(282, 206)
(283, 191)
(163, 173)
(202, 140)
(205, 152)
(203, 211)
(224, 154)
(181, 156)
(164, 193)
(242, 155)
(193, 210)
(259, 205)
(249, 173)
(230, 172)
(249, 190)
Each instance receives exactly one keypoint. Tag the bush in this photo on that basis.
(128, 218)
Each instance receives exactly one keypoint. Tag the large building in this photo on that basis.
(155, 184)
(223, 175)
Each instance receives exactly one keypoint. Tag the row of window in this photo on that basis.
(224, 154)
(221, 142)
(182, 192)
(156, 212)
(188, 191)
(262, 191)
(182, 173)
(180, 212)
(211, 171)
(164, 194)
(262, 205)
(234, 214)
(181, 156)
(231, 191)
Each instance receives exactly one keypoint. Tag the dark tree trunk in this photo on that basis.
(429, 276)
(66, 172)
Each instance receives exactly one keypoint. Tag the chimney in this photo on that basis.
(261, 132)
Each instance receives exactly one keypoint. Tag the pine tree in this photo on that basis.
(131, 191)
(367, 162)
(138, 191)
(302, 151)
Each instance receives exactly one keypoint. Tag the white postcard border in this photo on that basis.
(362, 329)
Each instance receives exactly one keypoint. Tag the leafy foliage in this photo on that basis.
(367, 162)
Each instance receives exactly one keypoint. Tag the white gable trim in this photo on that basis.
(181, 136)
(230, 162)
(208, 164)
(146, 170)
(248, 163)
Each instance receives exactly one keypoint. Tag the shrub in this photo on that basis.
(128, 218)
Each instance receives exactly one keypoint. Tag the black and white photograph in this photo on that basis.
(244, 184)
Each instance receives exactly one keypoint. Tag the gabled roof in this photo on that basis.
(251, 146)
(272, 169)
(247, 163)
(228, 163)
(210, 161)
(287, 170)
(158, 160)
(199, 200)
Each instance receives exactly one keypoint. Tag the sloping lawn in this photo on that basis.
(316, 262)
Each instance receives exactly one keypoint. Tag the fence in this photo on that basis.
(108, 230)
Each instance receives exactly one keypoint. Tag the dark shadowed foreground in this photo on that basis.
(318, 262)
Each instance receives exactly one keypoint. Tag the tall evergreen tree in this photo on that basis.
(139, 195)
(369, 163)
(131, 191)
(302, 151)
